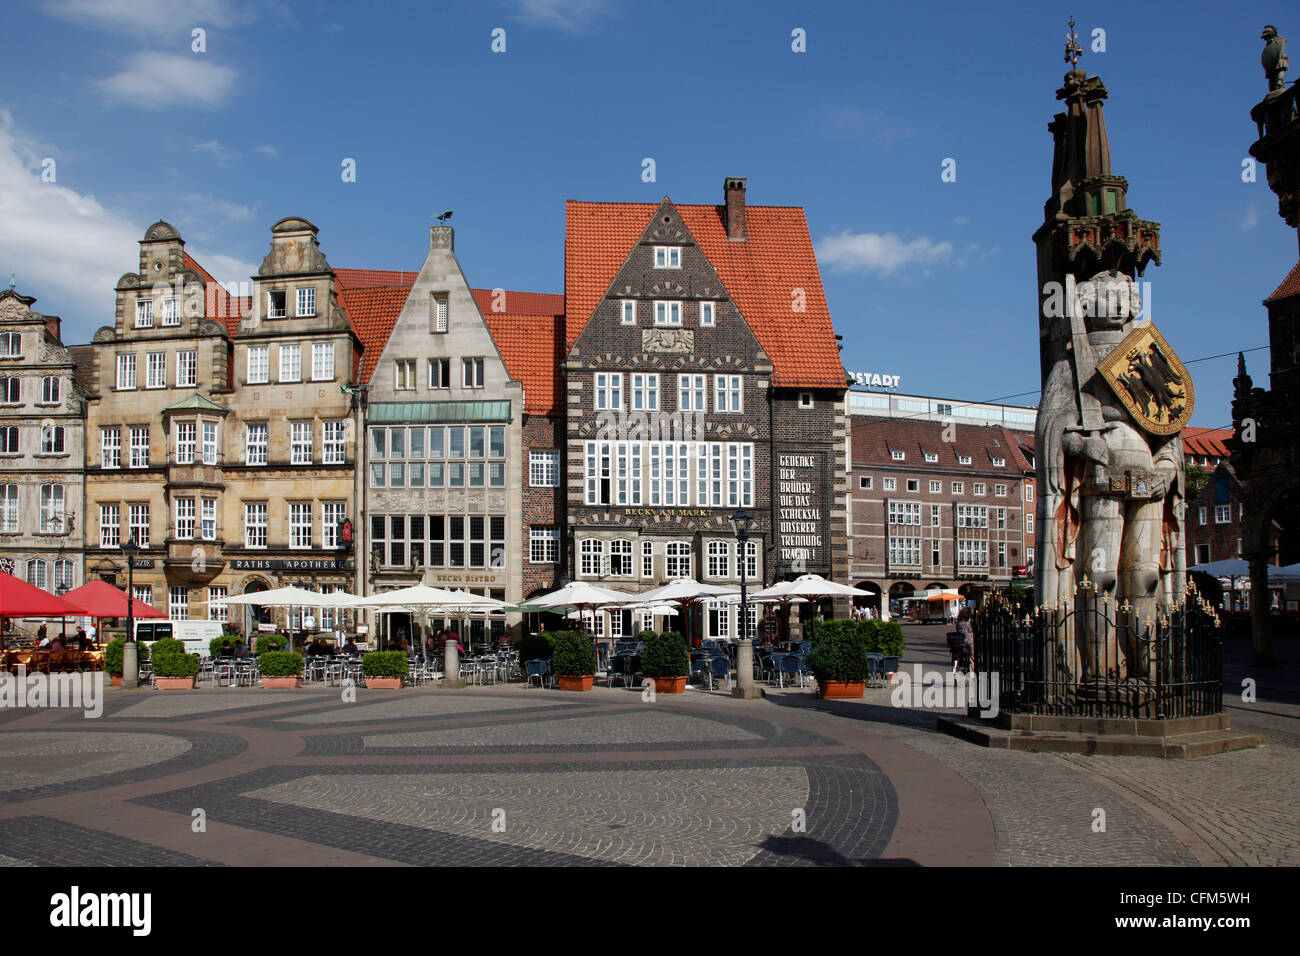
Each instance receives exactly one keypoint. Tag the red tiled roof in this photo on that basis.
(373, 312)
(760, 274)
(532, 346)
(875, 439)
(373, 278)
(1206, 442)
(1290, 286)
(518, 303)
(218, 303)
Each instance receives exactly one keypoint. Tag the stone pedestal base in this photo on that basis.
(1179, 737)
(454, 682)
(740, 692)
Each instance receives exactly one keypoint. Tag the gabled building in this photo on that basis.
(42, 438)
(701, 377)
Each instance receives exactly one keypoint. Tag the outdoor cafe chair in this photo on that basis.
(874, 673)
(888, 665)
(538, 669)
(789, 668)
(719, 667)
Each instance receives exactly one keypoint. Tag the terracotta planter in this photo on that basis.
(174, 683)
(841, 688)
(575, 683)
(281, 683)
(669, 685)
(117, 679)
(384, 683)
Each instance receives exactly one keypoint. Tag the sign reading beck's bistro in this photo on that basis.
(291, 564)
(799, 508)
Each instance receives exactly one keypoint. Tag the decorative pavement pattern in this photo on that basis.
(512, 776)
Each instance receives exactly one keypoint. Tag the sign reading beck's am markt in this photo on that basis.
(798, 508)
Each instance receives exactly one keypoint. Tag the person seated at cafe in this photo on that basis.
(57, 643)
(350, 647)
(241, 649)
(226, 649)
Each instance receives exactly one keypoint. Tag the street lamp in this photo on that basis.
(744, 687)
(130, 665)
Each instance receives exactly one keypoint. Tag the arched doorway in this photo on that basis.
(253, 615)
(872, 601)
(898, 592)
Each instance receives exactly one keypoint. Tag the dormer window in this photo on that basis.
(144, 313)
(999, 462)
(275, 305)
(897, 455)
(963, 459)
(931, 456)
(668, 257)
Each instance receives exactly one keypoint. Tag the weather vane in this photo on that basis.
(12, 280)
(1072, 48)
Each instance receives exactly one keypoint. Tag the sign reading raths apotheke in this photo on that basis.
(291, 564)
(800, 508)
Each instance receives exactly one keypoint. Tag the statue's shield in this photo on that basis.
(1150, 380)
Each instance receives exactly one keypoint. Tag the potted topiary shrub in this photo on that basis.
(384, 670)
(573, 661)
(113, 658)
(839, 659)
(269, 642)
(280, 669)
(173, 669)
(666, 661)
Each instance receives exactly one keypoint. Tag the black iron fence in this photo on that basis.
(1099, 659)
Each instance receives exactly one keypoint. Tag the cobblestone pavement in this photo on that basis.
(508, 776)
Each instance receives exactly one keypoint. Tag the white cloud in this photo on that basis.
(269, 151)
(960, 221)
(204, 207)
(882, 254)
(158, 81)
(228, 270)
(571, 15)
(64, 246)
(1251, 220)
(218, 150)
(156, 19)
(68, 249)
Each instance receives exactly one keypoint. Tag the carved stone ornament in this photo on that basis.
(12, 309)
(667, 340)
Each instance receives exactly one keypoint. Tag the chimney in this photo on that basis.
(54, 325)
(734, 188)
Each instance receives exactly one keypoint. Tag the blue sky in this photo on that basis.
(929, 280)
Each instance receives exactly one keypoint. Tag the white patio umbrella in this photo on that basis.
(576, 594)
(420, 600)
(686, 593)
(288, 597)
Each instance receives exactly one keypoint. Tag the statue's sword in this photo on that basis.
(1084, 363)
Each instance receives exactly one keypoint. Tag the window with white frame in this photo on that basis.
(669, 474)
(144, 593)
(609, 390)
(52, 509)
(306, 302)
(936, 487)
(935, 554)
(208, 520)
(322, 361)
(1202, 514)
(668, 313)
(718, 554)
(904, 512)
(110, 447)
(139, 446)
(471, 371)
(972, 516)
(291, 363)
(1029, 522)
(645, 392)
(934, 516)
(110, 526)
(126, 371)
(1222, 514)
(404, 375)
(692, 393)
(719, 619)
(677, 559)
(51, 439)
(999, 462)
(979, 487)
(544, 469)
(209, 430)
(217, 604)
(138, 524)
(9, 439)
(620, 558)
(187, 368)
(185, 441)
(964, 459)
(259, 364)
(1002, 554)
(300, 525)
(905, 551)
(1000, 491)
(171, 310)
(627, 311)
(300, 436)
(8, 508)
(11, 390)
(708, 314)
(544, 545)
(931, 456)
(178, 603)
(752, 570)
(647, 559)
(255, 524)
(591, 553)
(439, 373)
(668, 257)
(11, 344)
(864, 482)
(64, 574)
(913, 484)
(897, 455)
(890, 484)
(972, 553)
(275, 304)
(334, 442)
(1001, 518)
(50, 390)
(36, 573)
(438, 312)
(144, 313)
(255, 441)
(1029, 492)
(728, 393)
(959, 487)
(185, 517)
(332, 514)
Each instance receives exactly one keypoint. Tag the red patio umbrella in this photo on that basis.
(101, 599)
(20, 599)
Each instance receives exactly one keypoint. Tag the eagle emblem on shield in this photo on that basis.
(1149, 379)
